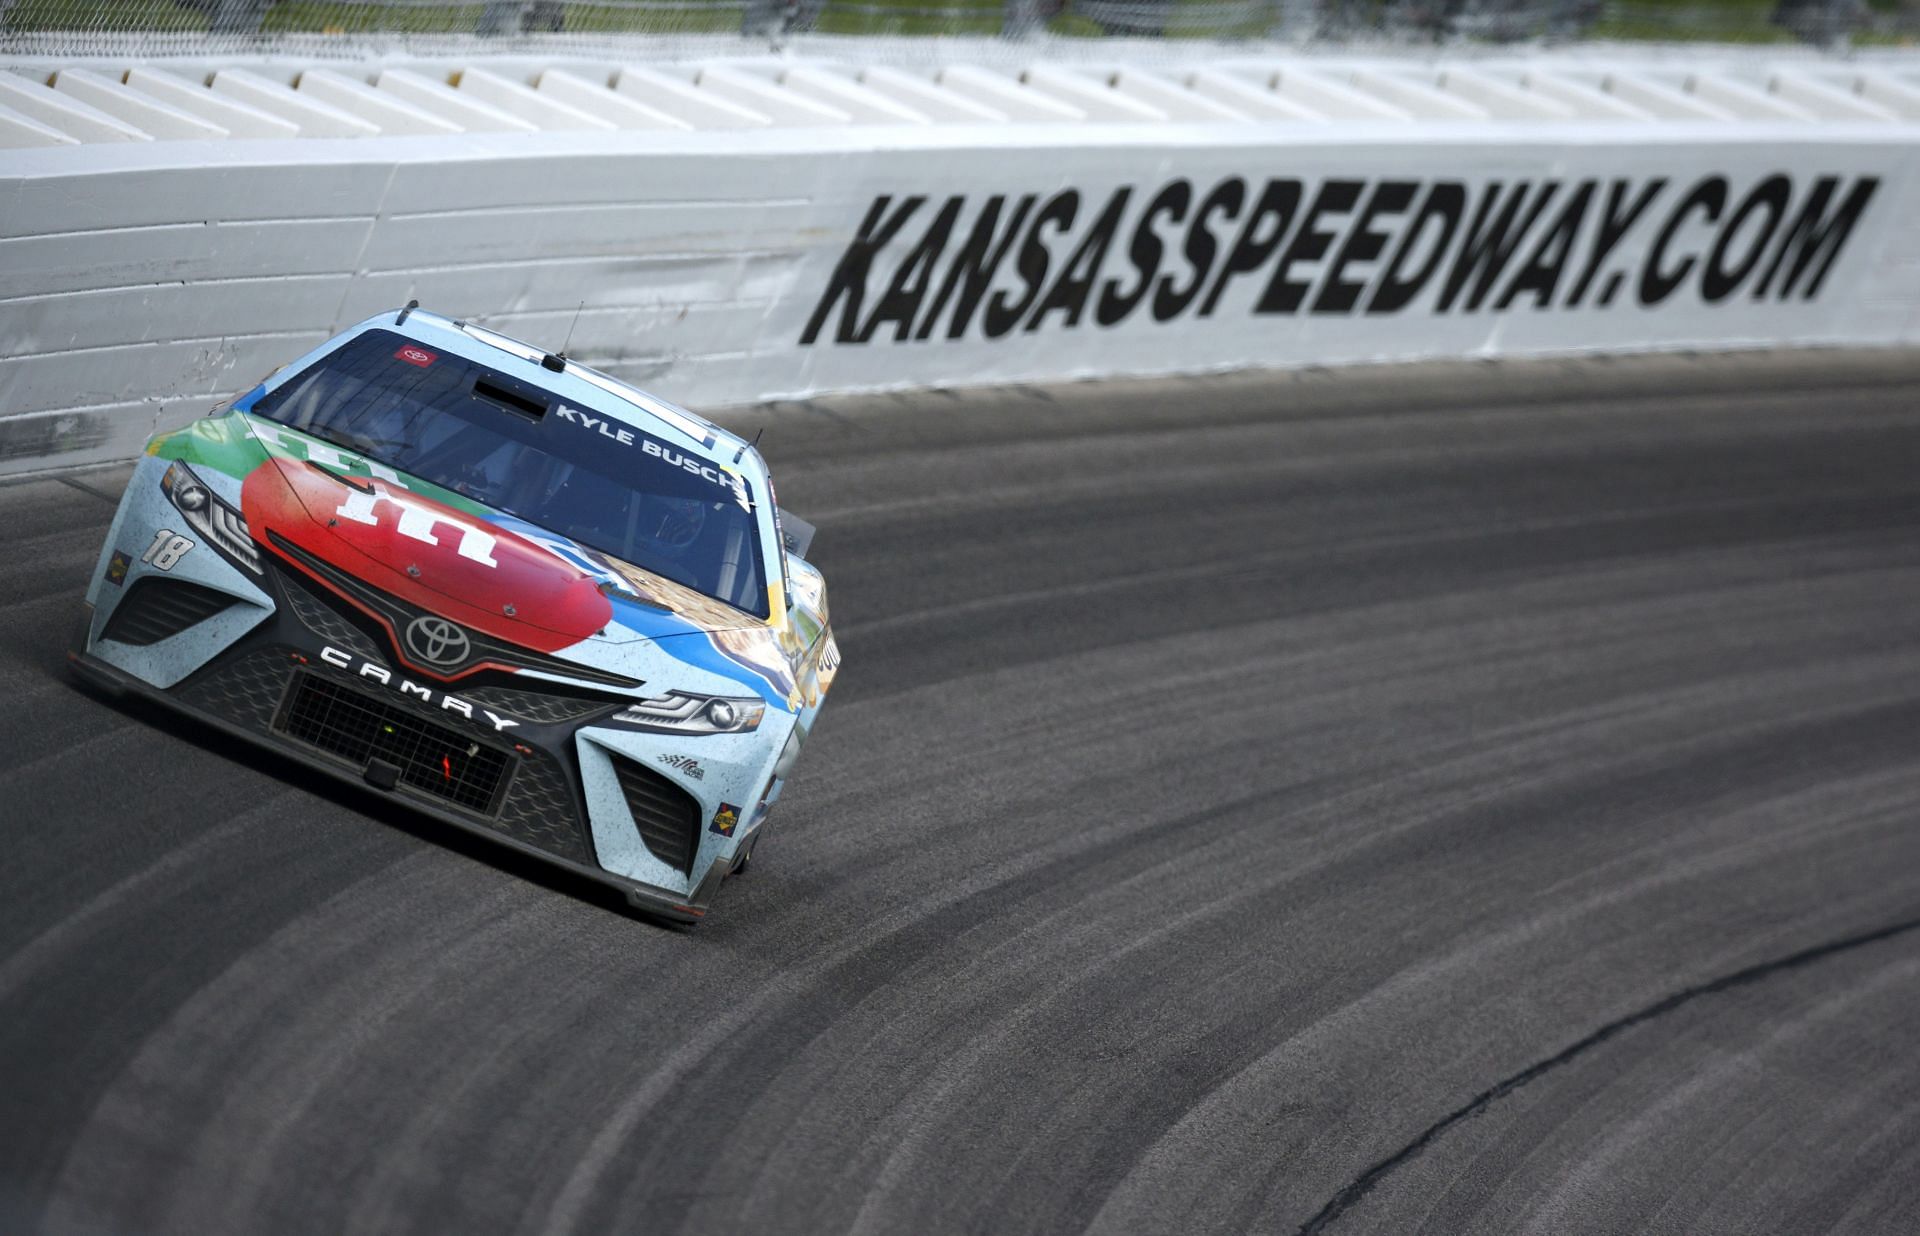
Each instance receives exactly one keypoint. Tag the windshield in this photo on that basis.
(520, 448)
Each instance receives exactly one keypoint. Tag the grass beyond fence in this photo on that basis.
(1739, 21)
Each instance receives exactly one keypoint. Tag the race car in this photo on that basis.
(502, 587)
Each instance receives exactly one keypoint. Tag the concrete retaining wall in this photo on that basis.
(737, 232)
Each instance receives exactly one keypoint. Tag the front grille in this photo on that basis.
(537, 806)
(667, 816)
(155, 609)
(540, 810)
(432, 758)
(243, 689)
(319, 616)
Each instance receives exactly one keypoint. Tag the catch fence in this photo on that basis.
(79, 27)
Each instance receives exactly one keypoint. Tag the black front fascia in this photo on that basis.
(251, 685)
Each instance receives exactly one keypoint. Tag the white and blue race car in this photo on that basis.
(518, 594)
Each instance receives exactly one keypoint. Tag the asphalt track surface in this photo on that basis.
(1459, 799)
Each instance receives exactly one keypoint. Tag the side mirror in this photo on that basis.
(797, 533)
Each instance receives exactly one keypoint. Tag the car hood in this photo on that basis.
(485, 568)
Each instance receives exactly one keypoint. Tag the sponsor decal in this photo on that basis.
(359, 667)
(419, 519)
(686, 764)
(436, 641)
(599, 424)
(625, 436)
(118, 566)
(687, 463)
(416, 356)
(725, 819)
(168, 548)
(988, 267)
(468, 571)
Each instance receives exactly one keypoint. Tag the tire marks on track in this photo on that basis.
(1350, 1195)
(1227, 776)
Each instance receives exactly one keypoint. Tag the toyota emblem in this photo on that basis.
(436, 641)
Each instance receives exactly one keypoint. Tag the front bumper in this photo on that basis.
(663, 903)
(282, 683)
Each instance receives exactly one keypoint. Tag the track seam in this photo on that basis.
(87, 489)
(1346, 1198)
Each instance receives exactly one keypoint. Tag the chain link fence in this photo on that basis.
(136, 26)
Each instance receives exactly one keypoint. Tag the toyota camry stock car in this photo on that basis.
(518, 594)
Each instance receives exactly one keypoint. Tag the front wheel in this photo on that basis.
(746, 856)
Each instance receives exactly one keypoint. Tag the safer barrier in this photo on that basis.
(144, 280)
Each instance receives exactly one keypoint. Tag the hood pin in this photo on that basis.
(509, 610)
(413, 570)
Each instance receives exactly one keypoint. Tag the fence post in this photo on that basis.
(759, 18)
(1823, 23)
(501, 17)
(1020, 19)
(1842, 17)
(237, 16)
(1292, 19)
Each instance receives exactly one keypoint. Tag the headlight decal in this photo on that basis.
(683, 713)
(221, 525)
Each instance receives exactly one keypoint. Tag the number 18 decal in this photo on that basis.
(167, 549)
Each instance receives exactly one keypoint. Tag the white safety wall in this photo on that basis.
(142, 281)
